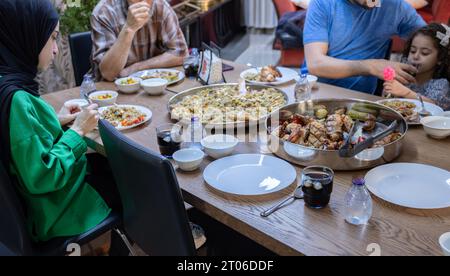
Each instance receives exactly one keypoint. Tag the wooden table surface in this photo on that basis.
(296, 229)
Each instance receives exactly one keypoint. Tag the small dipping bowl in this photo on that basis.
(188, 159)
(154, 87)
(220, 145)
(437, 127)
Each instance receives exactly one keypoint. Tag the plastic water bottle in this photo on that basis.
(87, 87)
(358, 203)
(303, 87)
(196, 133)
(191, 63)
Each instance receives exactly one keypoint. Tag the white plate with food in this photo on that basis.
(250, 174)
(410, 108)
(125, 117)
(171, 75)
(269, 75)
(411, 185)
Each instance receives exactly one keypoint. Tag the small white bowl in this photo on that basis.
(437, 127)
(312, 80)
(126, 88)
(444, 241)
(82, 103)
(445, 114)
(154, 87)
(218, 146)
(188, 159)
(94, 97)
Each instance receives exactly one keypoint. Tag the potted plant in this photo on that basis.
(74, 18)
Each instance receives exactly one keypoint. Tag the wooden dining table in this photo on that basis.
(297, 229)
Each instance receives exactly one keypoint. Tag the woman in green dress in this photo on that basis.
(47, 164)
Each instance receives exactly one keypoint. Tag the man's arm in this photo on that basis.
(321, 65)
(173, 42)
(116, 57)
(417, 4)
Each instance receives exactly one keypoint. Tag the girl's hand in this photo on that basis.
(86, 121)
(396, 88)
(68, 113)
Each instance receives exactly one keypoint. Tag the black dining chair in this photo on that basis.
(155, 217)
(81, 50)
(14, 236)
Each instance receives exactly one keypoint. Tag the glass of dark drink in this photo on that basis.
(317, 185)
(169, 139)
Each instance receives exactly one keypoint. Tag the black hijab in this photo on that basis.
(25, 28)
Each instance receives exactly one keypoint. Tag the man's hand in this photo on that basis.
(138, 16)
(404, 72)
(129, 70)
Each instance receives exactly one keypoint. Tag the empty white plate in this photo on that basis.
(411, 185)
(249, 174)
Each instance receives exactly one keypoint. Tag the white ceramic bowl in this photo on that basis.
(445, 114)
(218, 146)
(95, 97)
(154, 87)
(437, 127)
(444, 241)
(80, 102)
(188, 159)
(123, 87)
(313, 81)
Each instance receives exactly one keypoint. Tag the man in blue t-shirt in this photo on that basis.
(346, 41)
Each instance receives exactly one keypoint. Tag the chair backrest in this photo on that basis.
(154, 213)
(284, 6)
(441, 11)
(81, 51)
(13, 232)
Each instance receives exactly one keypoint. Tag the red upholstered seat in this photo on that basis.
(289, 57)
(436, 11)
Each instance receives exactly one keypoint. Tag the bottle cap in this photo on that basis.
(304, 71)
(359, 181)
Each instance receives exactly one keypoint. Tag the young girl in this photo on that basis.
(429, 51)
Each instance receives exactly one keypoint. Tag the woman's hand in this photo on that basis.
(396, 88)
(68, 113)
(86, 121)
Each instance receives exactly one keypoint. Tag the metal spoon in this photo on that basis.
(423, 112)
(298, 194)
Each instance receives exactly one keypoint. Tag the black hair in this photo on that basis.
(442, 70)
